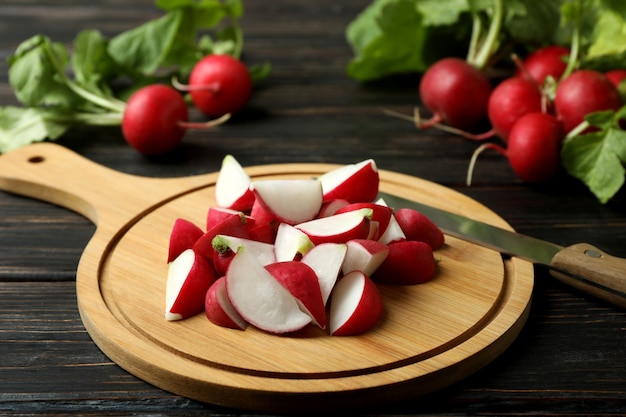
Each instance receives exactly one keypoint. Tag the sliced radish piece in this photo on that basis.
(364, 255)
(355, 306)
(338, 228)
(301, 281)
(188, 279)
(264, 252)
(291, 201)
(394, 232)
(417, 226)
(290, 243)
(232, 187)
(355, 183)
(407, 263)
(381, 214)
(216, 215)
(219, 310)
(260, 299)
(326, 260)
(183, 236)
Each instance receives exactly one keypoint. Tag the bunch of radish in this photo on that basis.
(283, 254)
(156, 116)
(530, 113)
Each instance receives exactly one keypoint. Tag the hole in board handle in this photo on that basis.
(36, 159)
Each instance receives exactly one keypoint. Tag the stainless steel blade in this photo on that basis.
(507, 242)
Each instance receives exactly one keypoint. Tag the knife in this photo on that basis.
(581, 265)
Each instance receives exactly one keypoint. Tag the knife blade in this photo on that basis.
(581, 265)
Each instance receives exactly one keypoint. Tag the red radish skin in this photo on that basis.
(417, 226)
(189, 278)
(616, 76)
(219, 85)
(356, 305)
(218, 308)
(582, 93)
(380, 214)
(456, 93)
(153, 120)
(408, 262)
(183, 236)
(231, 226)
(301, 281)
(511, 99)
(543, 62)
(533, 149)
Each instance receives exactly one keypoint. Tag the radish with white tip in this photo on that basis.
(292, 201)
(326, 260)
(394, 232)
(364, 255)
(260, 299)
(290, 243)
(301, 281)
(381, 214)
(232, 187)
(338, 228)
(355, 306)
(219, 310)
(355, 183)
(189, 277)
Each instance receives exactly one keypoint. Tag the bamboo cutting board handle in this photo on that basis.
(55, 174)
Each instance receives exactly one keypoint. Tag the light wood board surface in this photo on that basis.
(430, 336)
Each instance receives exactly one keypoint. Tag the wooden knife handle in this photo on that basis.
(593, 271)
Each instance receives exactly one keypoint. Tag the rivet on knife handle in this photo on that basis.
(593, 271)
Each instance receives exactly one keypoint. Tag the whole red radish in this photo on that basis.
(408, 262)
(511, 99)
(456, 92)
(543, 62)
(533, 149)
(220, 84)
(417, 226)
(582, 93)
(616, 76)
(154, 118)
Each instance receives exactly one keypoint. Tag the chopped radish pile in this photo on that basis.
(281, 255)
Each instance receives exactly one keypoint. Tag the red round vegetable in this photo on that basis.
(510, 100)
(533, 149)
(543, 62)
(584, 92)
(220, 84)
(153, 121)
(616, 76)
(456, 92)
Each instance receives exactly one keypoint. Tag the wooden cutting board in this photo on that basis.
(430, 336)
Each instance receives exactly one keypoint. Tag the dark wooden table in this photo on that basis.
(570, 358)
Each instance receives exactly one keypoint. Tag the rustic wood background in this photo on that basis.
(569, 359)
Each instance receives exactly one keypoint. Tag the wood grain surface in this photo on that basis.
(568, 359)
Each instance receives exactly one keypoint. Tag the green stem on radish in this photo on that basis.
(486, 50)
(575, 46)
(476, 30)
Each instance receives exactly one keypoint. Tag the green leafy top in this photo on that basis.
(106, 71)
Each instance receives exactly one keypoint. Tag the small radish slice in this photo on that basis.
(355, 306)
(219, 310)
